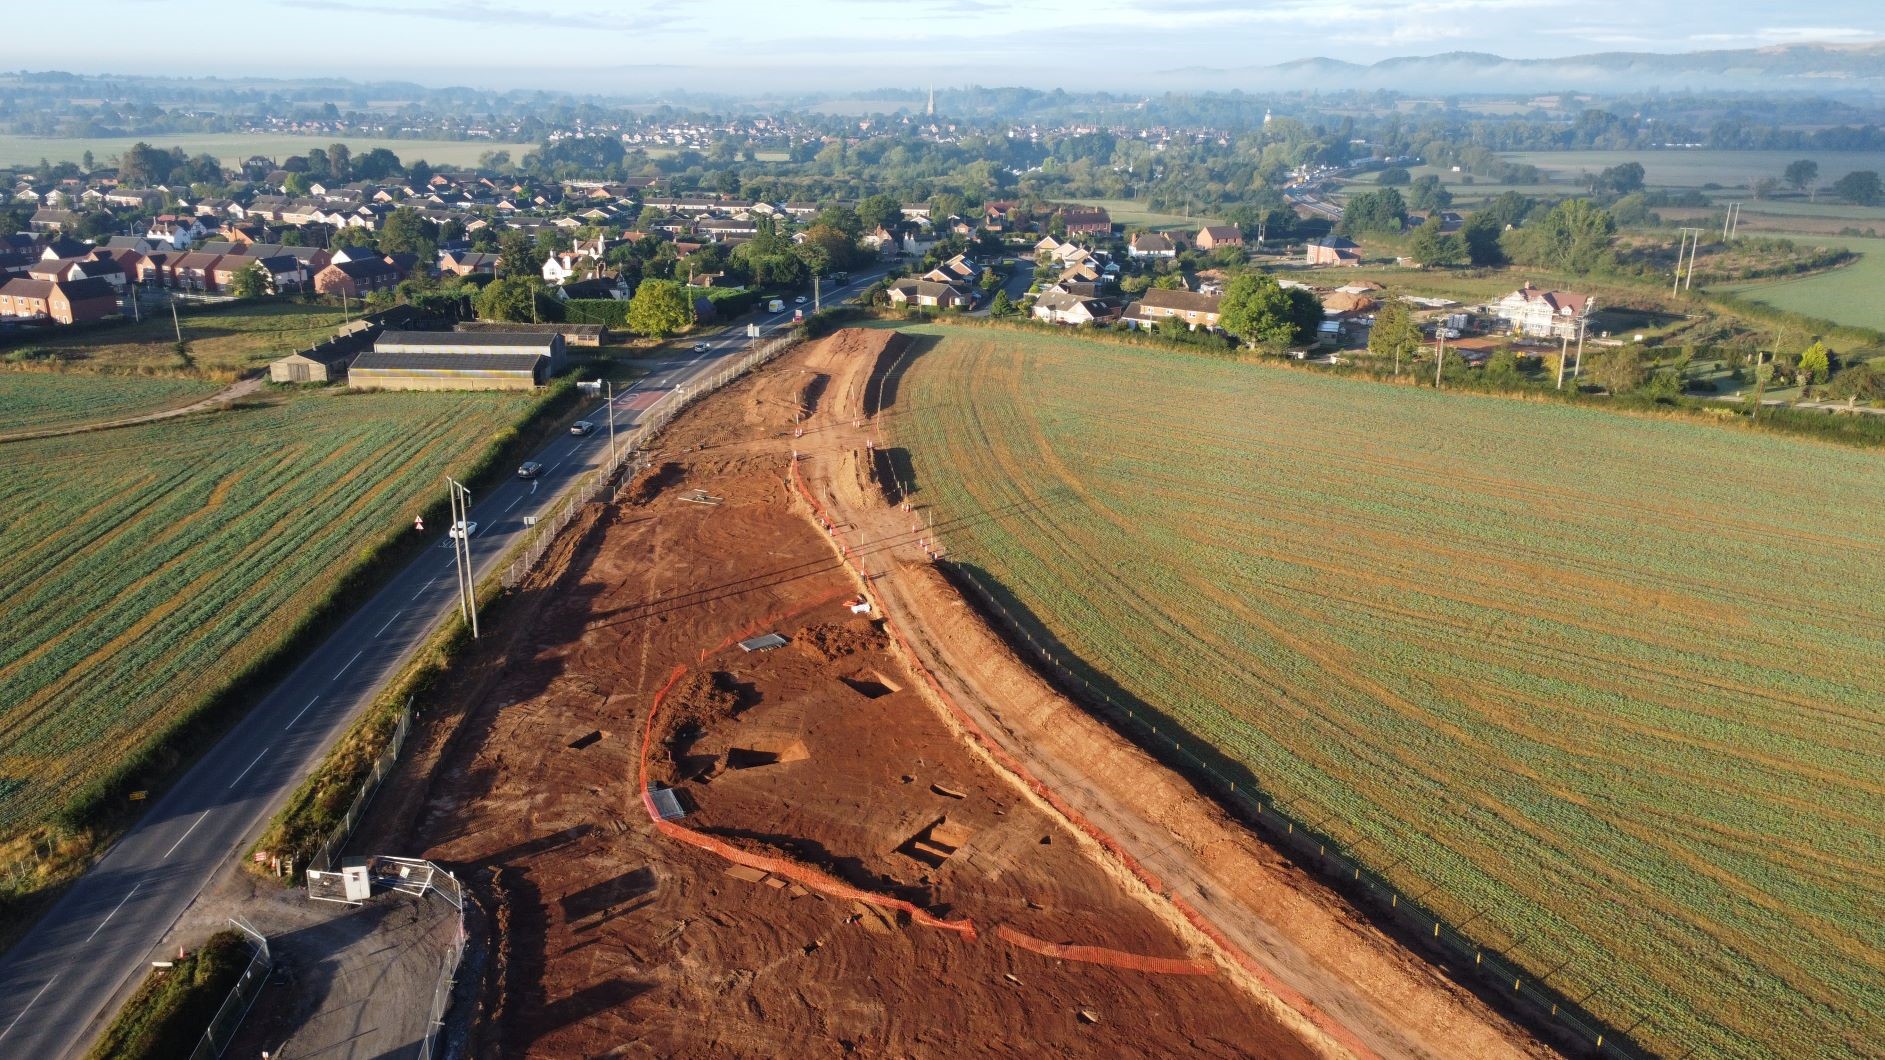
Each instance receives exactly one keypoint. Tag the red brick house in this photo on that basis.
(354, 279)
(64, 301)
(1333, 250)
(1211, 237)
(1086, 221)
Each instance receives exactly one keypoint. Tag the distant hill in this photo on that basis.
(1816, 68)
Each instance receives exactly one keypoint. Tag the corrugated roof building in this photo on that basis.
(454, 360)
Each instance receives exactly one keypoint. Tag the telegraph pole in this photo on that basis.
(460, 534)
(1564, 354)
(174, 322)
(1681, 246)
(1439, 359)
(611, 391)
(1578, 369)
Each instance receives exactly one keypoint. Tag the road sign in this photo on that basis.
(752, 331)
(594, 386)
(418, 523)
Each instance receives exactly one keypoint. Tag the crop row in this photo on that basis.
(1607, 686)
(38, 400)
(144, 567)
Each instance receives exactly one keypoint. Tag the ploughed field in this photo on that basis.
(144, 567)
(1606, 689)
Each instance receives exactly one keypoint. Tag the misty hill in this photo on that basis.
(1815, 68)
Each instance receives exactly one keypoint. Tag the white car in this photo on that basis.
(463, 529)
(701, 347)
(800, 300)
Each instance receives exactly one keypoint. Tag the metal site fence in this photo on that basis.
(1291, 829)
(228, 1019)
(446, 886)
(628, 452)
(327, 854)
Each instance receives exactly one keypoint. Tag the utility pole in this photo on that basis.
(174, 322)
(460, 534)
(1690, 278)
(1564, 354)
(1578, 369)
(817, 296)
(1681, 246)
(1439, 359)
(1726, 215)
(1735, 229)
(611, 391)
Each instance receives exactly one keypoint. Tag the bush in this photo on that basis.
(169, 1013)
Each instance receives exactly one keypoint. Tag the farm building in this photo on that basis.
(1333, 250)
(573, 334)
(457, 360)
(326, 363)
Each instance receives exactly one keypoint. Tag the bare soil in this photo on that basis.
(830, 754)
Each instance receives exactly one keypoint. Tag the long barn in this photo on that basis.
(451, 360)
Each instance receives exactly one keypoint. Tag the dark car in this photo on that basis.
(529, 469)
(581, 427)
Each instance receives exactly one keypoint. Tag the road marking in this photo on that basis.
(304, 710)
(350, 662)
(172, 850)
(389, 622)
(554, 466)
(29, 1005)
(114, 909)
(427, 585)
(252, 765)
(533, 487)
(513, 504)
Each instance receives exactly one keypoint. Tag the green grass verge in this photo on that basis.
(166, 1017)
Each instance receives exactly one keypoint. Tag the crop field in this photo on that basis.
(221, 340)
(1695, 168)
(231, 148)
(1605, 689)
(35, 400)
(144, 567)
(1846, 295)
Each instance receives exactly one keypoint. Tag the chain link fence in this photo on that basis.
(1290, 829)
(228, 1019)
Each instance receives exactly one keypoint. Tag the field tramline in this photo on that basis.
(1607, 687)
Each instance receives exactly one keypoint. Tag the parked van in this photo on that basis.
(777, 305)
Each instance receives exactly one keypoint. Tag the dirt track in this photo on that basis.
(828, 758)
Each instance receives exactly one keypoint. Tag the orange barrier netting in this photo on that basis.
(1283, 991)
(1103, 955)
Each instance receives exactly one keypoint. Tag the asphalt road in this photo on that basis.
(66, 977)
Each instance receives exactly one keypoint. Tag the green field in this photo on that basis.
(1694, 168)
(38, 400)
(144, 567)
(1846, 295)
(232, 148)
(224, 340)
(1606, 689)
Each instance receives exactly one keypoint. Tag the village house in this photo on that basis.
(1152, 245)
(1332, 250)
(1086, 221)
(1544, 314)
(926, 292)
(958, 270)
(355, 279)
(1060, 307)
(62, 301)
(1158, 306)
(1211, 237)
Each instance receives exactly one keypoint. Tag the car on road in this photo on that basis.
(581, 427)
(529, 469)
(775, 306)
(800, 300)
(463, 529)
(702, 347)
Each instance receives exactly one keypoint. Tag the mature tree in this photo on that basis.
(1619, 179)
(1508, 209)
(1860, 187)
(1481, 234)
(1858, 382)
(1427, 193)
(1394, 177)
(1618, 370)
(1574, 237)
(340, 161)
(1431, 247)
(660, 308)
(419, 174)
(351, 237)
(1765, 187)
(511, 298)
(1395, 334)
(517, 253)
(144, 165)
(879, 210)
(1264, 314)
(1815, 364)
(320, 167)
(1374, 211)
(377, 164)
(408, 232)
(251, 281)
(1801, 173)
(1002, 305)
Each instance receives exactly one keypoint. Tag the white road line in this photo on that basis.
(114, 910)
(554, 466)
(350, 662)
(252, 765)
(513, 504)
(389, 622)
(304, 710)
(29, 1005)
(427, 585)
(175, 845)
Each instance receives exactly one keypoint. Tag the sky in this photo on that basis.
(820, 45)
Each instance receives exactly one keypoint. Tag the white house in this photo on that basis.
(1152, 245)
(1544, 314)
